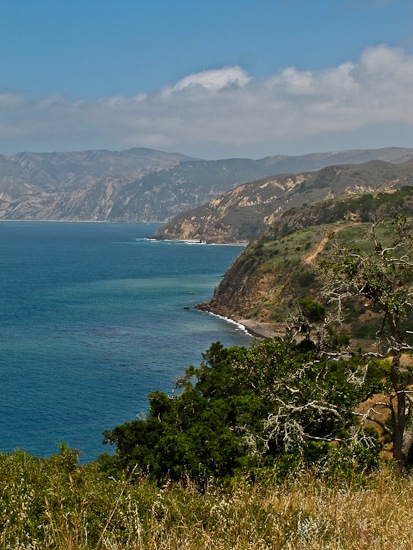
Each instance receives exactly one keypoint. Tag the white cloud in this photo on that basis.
(226, 111)
(214, 80)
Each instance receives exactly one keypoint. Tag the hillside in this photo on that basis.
(140, 184)
(278, 267)
(243, 212)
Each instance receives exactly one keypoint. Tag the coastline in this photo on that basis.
(200, 242)
(252, 327)
(261, 330)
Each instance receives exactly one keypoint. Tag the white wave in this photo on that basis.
(239, 326)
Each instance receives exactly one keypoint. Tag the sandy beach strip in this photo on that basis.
(261, 330)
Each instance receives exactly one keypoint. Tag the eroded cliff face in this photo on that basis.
(243, 212)
(264, 281)
(241, 290)
(236, 215)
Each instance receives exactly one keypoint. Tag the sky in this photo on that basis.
(207, 78)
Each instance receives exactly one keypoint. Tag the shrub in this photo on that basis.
(241, 409)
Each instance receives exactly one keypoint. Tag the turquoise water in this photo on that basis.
(92, 320)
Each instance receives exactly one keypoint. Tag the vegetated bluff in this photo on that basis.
(278, 267)
(140, 184)
(243, 212)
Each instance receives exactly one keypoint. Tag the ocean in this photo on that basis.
(93, 318)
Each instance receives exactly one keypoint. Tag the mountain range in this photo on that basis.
(140, 184)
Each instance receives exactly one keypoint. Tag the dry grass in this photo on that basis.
(59, 505)
(305, 513)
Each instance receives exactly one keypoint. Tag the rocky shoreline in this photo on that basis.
(261, 330)
(251, 326)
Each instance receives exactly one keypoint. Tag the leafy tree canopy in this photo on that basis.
(243, 408)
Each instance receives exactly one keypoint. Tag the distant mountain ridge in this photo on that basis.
(141, 184)
(73, 185)
(243, 212)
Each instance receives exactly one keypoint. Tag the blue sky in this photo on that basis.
(209, 78)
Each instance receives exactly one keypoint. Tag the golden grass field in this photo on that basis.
(55, 503)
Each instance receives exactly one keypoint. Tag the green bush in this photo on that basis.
(241, 409)
(313, 311)
(306, 279)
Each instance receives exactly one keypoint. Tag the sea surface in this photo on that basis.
(92, 319)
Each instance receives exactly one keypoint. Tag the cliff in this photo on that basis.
(279, 266)
(243, 212)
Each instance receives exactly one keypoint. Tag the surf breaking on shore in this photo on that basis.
(249, 326)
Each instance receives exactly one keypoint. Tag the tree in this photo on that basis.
(381, 275)
(243, 408)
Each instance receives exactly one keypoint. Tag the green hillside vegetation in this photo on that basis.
(361, 208)
(280, 265)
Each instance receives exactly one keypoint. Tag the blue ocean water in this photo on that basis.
(92, 320)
